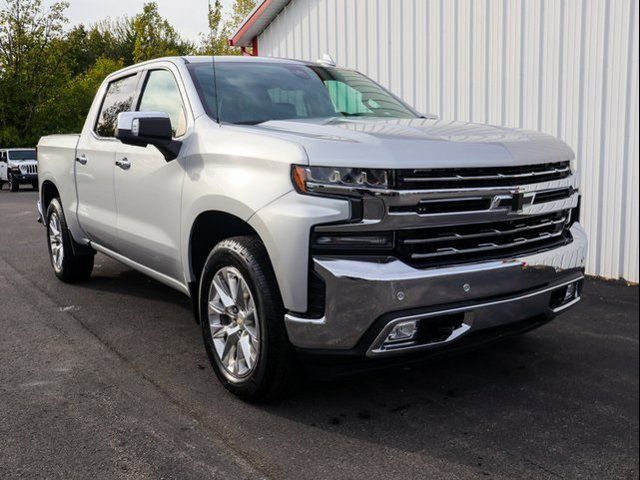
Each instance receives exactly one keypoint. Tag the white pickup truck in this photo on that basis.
(311, 214)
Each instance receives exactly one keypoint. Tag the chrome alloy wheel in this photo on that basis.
(234, 325)
(55, 242)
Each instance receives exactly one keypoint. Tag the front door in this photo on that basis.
(148, 189)
(3, 166)
(95, 165)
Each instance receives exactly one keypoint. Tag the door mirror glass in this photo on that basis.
(148, 128)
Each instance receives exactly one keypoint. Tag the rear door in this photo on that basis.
(95, 164)
(148, 188)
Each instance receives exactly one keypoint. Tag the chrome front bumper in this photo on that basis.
(360, 292)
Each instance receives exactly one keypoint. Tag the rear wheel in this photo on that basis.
(14, 186)
(242, 320)
(67, 266)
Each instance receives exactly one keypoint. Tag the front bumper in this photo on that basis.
(25, 177)
(365, 298)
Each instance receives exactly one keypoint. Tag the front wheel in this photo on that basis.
(242, 320)
(67, 266)
(14, 186)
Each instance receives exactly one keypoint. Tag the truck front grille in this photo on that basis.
(464, 243)
(29, 169)
(454, 178)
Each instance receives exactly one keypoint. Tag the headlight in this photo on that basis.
(338, 179)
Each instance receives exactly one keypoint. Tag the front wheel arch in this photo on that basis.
(208, 230)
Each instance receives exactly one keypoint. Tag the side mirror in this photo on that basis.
(148, 128)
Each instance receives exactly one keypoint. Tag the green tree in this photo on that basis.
(240, 10)
(216, 42)
(113, 39)
(67, 111)
(155, 37)
(32, 65)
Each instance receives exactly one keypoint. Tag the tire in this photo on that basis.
(13, 185)
(67, 266)
(272, 369)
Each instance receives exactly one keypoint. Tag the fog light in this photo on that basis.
(565, 296)
(570, 294)
(403, 331)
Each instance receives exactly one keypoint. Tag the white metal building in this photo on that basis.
(564, 67)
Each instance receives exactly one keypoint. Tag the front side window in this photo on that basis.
(19, 155)
(252, 93)
(118, 99)
(161, 94)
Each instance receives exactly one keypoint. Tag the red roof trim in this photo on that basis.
(249, 22)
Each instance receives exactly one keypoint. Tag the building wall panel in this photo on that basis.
(565, 67)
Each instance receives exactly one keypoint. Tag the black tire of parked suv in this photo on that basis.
(13, 185)
(74, 268)
(275, 373)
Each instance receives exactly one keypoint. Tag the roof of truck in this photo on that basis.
(195, 59)
(239, 58)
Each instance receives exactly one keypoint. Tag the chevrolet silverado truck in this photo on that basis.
(18, 166)
(311, 214)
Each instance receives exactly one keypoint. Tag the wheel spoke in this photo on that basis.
(221, 289)
(246, 348)
(232, 282)
(215, 307)
(233, 334)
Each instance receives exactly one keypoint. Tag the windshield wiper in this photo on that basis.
(347, 114)
(250, 122)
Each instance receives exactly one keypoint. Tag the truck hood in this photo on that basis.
(416, 143)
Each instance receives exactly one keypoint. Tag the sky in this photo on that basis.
(189, 17)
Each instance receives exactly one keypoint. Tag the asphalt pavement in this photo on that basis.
(109, 379)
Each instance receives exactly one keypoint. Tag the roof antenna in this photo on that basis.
(327, 60)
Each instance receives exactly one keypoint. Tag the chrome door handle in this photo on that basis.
(82, 159)
(124, 164)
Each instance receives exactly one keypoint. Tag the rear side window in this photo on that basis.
(119, 98)
(161, 94)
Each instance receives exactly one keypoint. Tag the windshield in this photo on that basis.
(252, 93)
(19, 155)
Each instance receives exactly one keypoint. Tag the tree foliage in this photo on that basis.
(216, 42)
(49, 72)
(32, 63)
(155, 37)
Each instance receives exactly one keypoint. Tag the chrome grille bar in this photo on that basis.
(498, 176)
(492, 232)
(469, 177)
(483, 247)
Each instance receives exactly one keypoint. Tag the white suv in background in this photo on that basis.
(18, 166)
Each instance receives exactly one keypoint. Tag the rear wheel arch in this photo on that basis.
(49, 191)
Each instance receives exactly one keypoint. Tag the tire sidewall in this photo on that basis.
(220, 257)
(13, 186)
